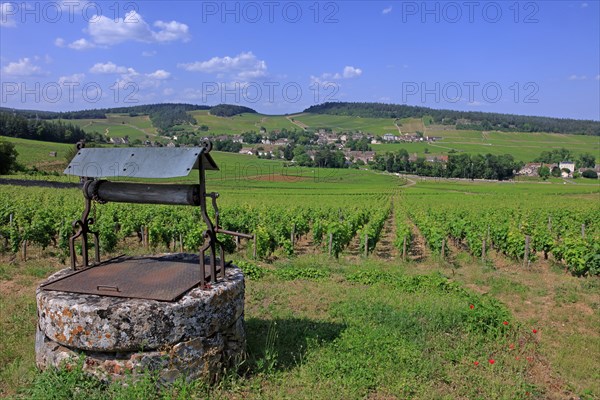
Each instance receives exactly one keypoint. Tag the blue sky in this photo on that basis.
(530, 57)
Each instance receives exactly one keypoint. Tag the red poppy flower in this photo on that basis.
(505, 322)
(476, 363)
(534, 331)
(517, 358)
(511, 346)
(492, 361)
(471, 306)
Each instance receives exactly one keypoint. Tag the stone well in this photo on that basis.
(194, 337)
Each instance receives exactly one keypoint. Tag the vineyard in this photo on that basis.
(521, 228)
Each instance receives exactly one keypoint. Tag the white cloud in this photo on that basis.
(387, 10)
(576, 77)
(82, 44)
(351, 72)
(170, 31)
(168, 91)
(110, 68)
(159, 74)
(598, 77)
(348, 73)
(59, 42)
(75, 78)
(584, 5)
(150, 53)
(23, 67)
(243, 66)
(107, 31)
(7, 11)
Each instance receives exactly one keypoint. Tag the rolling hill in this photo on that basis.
(138, 123)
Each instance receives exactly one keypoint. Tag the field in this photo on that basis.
(523, 146)
(34, 152)
(436, 320)
(118, 125)
(240, 123)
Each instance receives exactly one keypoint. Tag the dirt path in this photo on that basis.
(385, 248)
(418, 250)
(354, 250)
(297, 123)
(305, 245)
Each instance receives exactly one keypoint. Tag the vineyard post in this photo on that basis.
(146, 237)
(24, 250)
(180, 243)
(549, 223)
(583, 231)
(404, 249)
(237, 243)
(366, 245)
(488, 236)
(330, 243)
(254, 245)
(293, 235)
(526, 255)
(483, 250)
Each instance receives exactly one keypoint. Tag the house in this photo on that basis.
(570, 165)
(364, 156)
(247, 151)
(530, 169)
(281, 142)
(52, 154)
(119, 140)
(388, 137)
(237, 139)
(437, 159)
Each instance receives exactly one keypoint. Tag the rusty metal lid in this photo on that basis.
(139, 162)
(163, 278)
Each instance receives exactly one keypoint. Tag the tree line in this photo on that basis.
(468, 166)
(474, 120)
(17, 126)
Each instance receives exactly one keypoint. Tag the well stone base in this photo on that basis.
(195, 337)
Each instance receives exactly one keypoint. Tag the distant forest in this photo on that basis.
(228, 110)
(473, 120)
(50, 131)
(163, 116)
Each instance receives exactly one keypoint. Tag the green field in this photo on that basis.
(523, 146)
(377, 126)
(118, 125)
(240, 123)
(34, 152)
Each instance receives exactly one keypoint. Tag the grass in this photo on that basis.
(326, 337)
(523, 146)
(240, 123)
(34, 152)
(118, 125)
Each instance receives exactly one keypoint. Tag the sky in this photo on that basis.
(527, 57)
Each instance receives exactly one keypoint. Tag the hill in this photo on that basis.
(473, 120)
